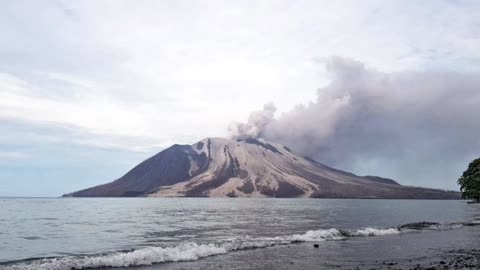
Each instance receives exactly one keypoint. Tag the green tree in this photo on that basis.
(470, 181)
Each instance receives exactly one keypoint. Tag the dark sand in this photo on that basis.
(449, 249)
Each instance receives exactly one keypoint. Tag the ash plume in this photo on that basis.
(254, 127)
(420, 128)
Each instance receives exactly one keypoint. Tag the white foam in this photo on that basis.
(319, 235)
(146, 256)
(456, 226)
(188, 251)
(369, 231)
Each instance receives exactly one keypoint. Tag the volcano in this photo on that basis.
(218, 167)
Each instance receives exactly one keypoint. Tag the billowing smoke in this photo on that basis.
(421, 128)
(256, 124)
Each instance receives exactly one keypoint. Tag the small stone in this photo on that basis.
(316, 245)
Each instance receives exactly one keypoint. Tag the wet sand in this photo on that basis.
(449, 249)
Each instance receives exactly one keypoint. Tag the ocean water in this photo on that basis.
(90, 233)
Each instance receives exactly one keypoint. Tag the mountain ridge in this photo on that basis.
(218, 167)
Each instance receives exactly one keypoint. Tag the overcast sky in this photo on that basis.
(88, 89)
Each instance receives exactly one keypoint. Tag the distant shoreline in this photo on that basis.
(236, 198)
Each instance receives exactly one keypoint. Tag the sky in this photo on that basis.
(88, 89)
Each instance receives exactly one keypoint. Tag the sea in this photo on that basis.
(226, 233)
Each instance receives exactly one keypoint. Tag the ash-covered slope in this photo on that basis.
(217, 167)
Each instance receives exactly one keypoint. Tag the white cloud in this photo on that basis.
(184, 70)
(93, 112)
(13, 155)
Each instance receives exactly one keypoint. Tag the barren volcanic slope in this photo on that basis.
(216, 167)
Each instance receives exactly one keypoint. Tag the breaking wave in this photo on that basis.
(373, 232)
(195, 251)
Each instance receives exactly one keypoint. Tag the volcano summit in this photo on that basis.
(217, 167)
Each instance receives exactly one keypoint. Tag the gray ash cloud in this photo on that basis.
(420, 128)
(256, 124)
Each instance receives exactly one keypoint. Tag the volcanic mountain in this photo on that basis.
(217, 167)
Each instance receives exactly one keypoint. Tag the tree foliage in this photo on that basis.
(470, 181)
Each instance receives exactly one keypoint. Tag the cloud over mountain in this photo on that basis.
(412, 126)
(253, 128)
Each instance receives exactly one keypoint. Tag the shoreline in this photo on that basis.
(242, 235)
(248, 198)
(444, 250)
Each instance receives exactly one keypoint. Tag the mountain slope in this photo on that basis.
(217, 167)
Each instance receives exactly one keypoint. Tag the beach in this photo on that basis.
(447, 249)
